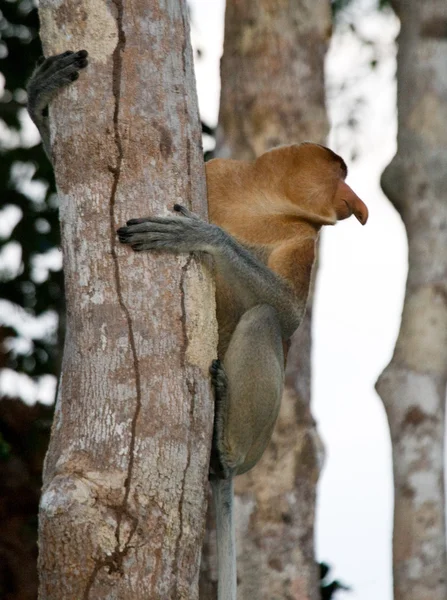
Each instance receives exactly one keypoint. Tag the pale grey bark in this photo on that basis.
(123, 503)
(413, 385)
(273, 93)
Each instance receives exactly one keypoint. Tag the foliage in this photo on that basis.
(365, 40)
(24, 433)
(32, 292)
(338, 6)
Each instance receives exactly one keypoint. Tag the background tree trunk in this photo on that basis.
(123, 504)
(413, 385)
(272, 74)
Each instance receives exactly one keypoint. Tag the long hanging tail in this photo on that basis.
(226, 542)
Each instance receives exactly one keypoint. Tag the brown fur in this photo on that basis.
(276, 206)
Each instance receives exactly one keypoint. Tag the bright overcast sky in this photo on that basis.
(357, 312)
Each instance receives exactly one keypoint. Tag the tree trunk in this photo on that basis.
(273, 93)
(123, 505)
(413, 385)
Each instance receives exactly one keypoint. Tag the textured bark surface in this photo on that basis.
(413, 385)
(123, 504)
(272, 75)
(273, 93)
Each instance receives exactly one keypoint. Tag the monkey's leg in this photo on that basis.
(220, 384)
(247, 409)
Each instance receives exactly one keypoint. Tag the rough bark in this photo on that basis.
(273, 93)
(413, 385)
(123, 504)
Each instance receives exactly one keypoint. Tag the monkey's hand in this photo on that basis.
(184, 233)
(50, 75)
(252, 281)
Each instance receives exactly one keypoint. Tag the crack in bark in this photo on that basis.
(117, 72)
(115, 561)
(190, 381)
(182, 497)
(192, 389)
(98, 566)
(183, 307)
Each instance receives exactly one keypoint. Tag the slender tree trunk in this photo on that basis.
(123, 504)
(273, 93)
(413, 385)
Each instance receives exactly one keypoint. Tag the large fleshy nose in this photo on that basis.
(357, 206)
(360, 210)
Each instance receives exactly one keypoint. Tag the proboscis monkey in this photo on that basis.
(265, 219)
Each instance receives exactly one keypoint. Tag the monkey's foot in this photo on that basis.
(219, 380)
(219, 466)
(51, 75)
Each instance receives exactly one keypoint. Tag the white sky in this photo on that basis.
(357, 309)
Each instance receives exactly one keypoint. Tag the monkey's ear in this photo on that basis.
(347, 203)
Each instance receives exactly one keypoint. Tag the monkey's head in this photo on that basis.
(312, 177)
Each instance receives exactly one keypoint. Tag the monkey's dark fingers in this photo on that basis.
(146, 230)
(218, 378)
(48, 80)
(175, 234)
(55, 63)
(177, 207)
(52, 83)
(175, 225)
(153, 224)
(126, 236)
(151, 238)
(132, 222)
(156, 241)
(214, 367)
(185, 212)
(137, 221)
(45, 63)
(175, 237)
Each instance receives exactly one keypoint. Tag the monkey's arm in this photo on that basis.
(48, 78)
(252, 281)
